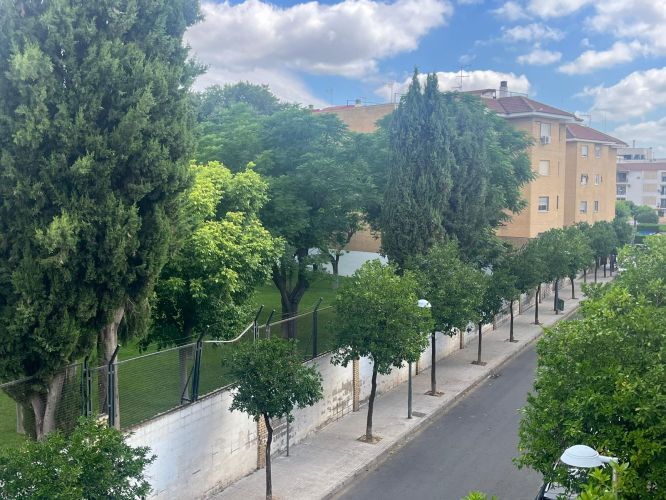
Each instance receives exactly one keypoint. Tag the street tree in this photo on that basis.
(94, 461)
(95, 134)
(314, 190)
(453, 288)
(518, 277)
(644, 214)
(644, 272)
(555, 254)
(208, 284)
(603, 241)
(270, 381)
(496, 286)
(455, 169)
(578, 254)
(624, 232)
(528, 269)
(379, 317)
(624, 209)
(600, 381)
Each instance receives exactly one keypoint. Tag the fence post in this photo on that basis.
(268, 324)
(255, 327)
(314, 328)
(196, 370)
(86, 389)
(114, 420)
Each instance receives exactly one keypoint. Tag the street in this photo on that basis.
(468, 448)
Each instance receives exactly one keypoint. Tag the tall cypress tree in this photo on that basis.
(95, 128)
(419, 180)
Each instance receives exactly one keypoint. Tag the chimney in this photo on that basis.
(504, 89)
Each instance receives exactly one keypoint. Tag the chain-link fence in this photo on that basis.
(126, 392)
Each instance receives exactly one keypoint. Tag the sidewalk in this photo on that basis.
(321, 465)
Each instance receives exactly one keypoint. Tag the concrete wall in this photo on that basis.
(204, 447)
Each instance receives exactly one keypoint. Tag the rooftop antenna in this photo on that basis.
(589, 118)
(461, 76)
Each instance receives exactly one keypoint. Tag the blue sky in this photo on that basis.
(605, 59)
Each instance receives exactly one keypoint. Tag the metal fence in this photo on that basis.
(127, 392)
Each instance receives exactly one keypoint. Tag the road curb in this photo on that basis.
(428, 419)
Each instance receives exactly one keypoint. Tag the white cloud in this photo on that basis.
(348, 38)
(646, 134)
(511, 11)
(592, 60)
(534, 32)
(539, 57)
(557, 8)
(474, 80)
(638, 94)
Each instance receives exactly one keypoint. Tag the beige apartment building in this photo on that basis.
(555, 197)
(590, 175)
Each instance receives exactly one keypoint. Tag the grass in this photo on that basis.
(151, 385)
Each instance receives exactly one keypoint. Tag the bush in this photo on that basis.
(94, 462)
(649, 227)
(645, 214)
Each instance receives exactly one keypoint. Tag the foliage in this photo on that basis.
(477, 495)
(624, 232)
(454, 169)
(624, 209)
(577, 251)
(600, 485)
(379, 317)
(644, 272)
(226, 254)
(95, 134)
(603, 239)
(645, 214)
(527, 266)
(215, 99)
(94, 462)
(552, 249)
(452, 286)
(271, 379)
(496, 286)
(600, 381)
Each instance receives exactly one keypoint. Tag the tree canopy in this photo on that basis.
(455, 169)
(95, 135)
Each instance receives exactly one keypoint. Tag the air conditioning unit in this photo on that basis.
(545, 139)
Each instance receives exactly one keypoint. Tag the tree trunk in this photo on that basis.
(44, 406)
(573, 289)
(335, 263)
(596, 267)
(556, 295)
(605, 261)
(290, 298)
(536, 304)
(107, 341)
(511, 339)
(371, 403)
(433, 367)
(462, 339)
(269, 440)
(585, 275)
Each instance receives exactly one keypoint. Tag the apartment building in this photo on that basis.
(590, 175)
(642, 182)
(552, 202)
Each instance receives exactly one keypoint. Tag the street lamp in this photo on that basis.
(423, 303)
(584, 457)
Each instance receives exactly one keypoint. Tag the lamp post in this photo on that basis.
(584, 457)
(423, 303)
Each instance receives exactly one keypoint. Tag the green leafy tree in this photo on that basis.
(578, 253)
(208, 284)
(645, 269)
(645, 215)
(454, 169)
(453, 288)
(315, 189)
(601, 381)
(271, 381)
(95, 135)
(527, 267)
(555, 254)
(93, 462)
(496, 286)
(624, 209)
(603, 241)
(379, 317)
(217, 98)
(624, 232)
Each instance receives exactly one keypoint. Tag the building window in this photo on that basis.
(622, 177)
(584, 150)
(597, 179)
(543, 203)
(662, 203)
(663, 177)
(583, 207)
(597, 151)
(622, 190)
(583, 179)
(544, 167)
(545, 133)
(663, 190)
(596, 205)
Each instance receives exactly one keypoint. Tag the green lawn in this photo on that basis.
(151, 385)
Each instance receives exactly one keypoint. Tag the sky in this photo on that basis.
(603, 59)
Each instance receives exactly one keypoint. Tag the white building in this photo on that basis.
(642, 182)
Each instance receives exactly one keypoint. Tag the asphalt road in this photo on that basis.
(468, 448)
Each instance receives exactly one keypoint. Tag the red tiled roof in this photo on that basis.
(580, 132)
(641, 166)
(334, 108)
(518, 104)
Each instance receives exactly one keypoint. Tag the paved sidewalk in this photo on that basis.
(321, 465)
